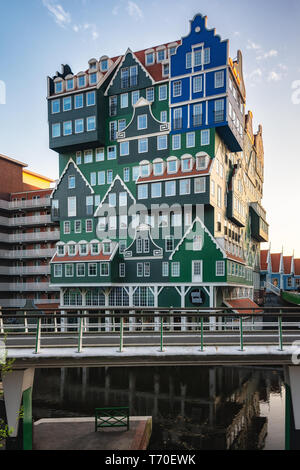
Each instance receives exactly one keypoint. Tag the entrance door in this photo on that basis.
(197, 271)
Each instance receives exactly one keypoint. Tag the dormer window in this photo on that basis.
(93, 66)
(150, 58)
(201, 162)
(81, 81)
(187, 164)
(93, 78)
(106, 248)
(104, 65)
(61, 250)
(172, 166)
(95, 248)
(172, 50)
(70, 84)
(72, 249)
(83, 249)
(145, 170)
(166, 70)
(161, 55)
(58, 87)
(158, 168)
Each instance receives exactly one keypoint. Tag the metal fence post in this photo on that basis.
(162, 349)
(121, 335)
(25, 322)
(241, 334)
(280, 332)
(202, 342)
(38, 336)
(79, 349)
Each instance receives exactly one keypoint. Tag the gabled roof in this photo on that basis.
(117, 178)
(297, 267)
(238, 304)
(287, 264)
(276, 261)
(71, 161)
(264, 260)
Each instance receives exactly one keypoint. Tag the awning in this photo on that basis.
(238, 304)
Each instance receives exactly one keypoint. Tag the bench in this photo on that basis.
(111, 417)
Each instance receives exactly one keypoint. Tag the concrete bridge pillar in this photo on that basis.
(18, 384)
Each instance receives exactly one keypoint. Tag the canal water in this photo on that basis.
(193, 408)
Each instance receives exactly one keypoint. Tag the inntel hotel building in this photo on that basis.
(161, 178)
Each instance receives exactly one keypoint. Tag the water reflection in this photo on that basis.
(192, 407)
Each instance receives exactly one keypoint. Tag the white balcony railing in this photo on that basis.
(26, 286)
(24, 270)
(32, 220)
(19, 254)
(42, 202)
(32, 236)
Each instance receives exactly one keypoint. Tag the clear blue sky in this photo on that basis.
(36, 36)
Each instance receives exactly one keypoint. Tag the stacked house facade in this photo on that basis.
(279, 271)
(161, 178)
(28, 237)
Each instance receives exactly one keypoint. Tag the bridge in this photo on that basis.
(106, 337)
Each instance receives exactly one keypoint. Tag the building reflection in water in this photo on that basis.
(192, 407)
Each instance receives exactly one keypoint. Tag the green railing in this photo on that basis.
(112, 417)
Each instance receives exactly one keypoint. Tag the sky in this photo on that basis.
(37, 36)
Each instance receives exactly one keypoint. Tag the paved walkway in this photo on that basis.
(79, 434)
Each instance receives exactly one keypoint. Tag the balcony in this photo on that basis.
(259, 226)
(29, 237)
(26, 287)
(24, 270)
(21, 221)
(30, 203)
(27, 254)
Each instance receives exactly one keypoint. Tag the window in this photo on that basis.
(72, 250)
(172, 50)
(113, 105)
(135, 173)
(104, 65)
(219, 110)
(142, 122)
(93, 78)
(177, 118)
(150, 94)
(124, 149)
(121, 124)
(158, 168)
(72, 206)
(80, 270)
(100, 155)
(205, 137)
(113, 130)
(133, 75)
(175, 269)
(83, 249)
(162, 142)
(139, 270)
(166, 70)
(188, 60)
(206, 56)
(67, 228)
(197, 84)
(81, 81)
(95, 248)
(126, 175)
(58, 87)
(197, 243)
(135, 96)
(177, 88)
(197, 115)
(146, 269)
(123, 199)
(219, 79)
(169, 244)
(155, 190)
(162, 93)
(88, 156)
(91, 98)
(112, 200)
(124, 100)
(190, 139)
(172, 166)
(69, 270)
(71, 182)
(77, 226)
(145, 170)
(199, 185)
(163, 116)
(146, 245)
(170, 188)
(89, 201)
(201, 163)
(219, 196)
(176, 142)
(88, 226)
(112, 153)
(220, 268)
(143, 145)
(55, 106)
(67, 104)
(143, 191)
(101, 177)
(122, 271)
(184, 187)
(186, 164)
(198, 58)
(78, 101)
(161, 55)
(150, 58)
(79, 126)
(165, 269)
(55, 130)
(104, 269)
(92, 269)
(91, 123)
(58, 270)
(67, 127)
(109, 176)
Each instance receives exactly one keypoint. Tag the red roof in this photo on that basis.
(297, 267)
(238, 304)
(235, 258)
(287, 264)
(179, 174)
(155, 70)
(264, 260)
(275, 261)
(72, 259)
